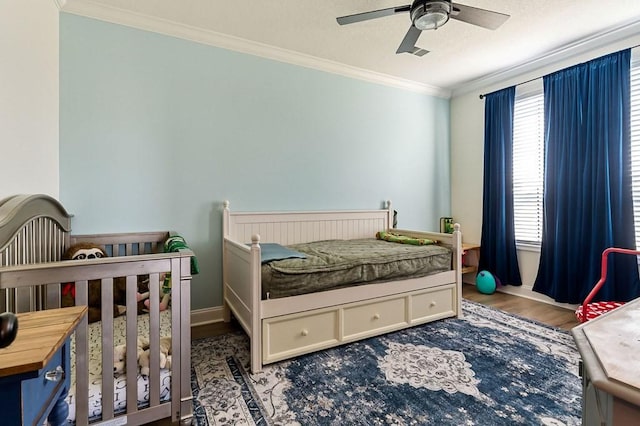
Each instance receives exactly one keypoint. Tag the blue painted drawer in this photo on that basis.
(28, 399)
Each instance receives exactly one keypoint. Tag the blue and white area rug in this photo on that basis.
(489, 368)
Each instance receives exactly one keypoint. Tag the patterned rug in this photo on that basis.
(489, 368)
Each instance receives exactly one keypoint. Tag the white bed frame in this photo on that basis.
(34, 233)
(287, 327)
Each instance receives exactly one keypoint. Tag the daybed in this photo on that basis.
(34, 233)
(285, 327)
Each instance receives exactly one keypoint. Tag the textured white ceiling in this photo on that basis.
(459, 52)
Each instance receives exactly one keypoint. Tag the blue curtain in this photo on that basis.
(498, 242)
(588, 203)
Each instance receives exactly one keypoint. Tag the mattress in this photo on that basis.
(95, 368)
(334, 264)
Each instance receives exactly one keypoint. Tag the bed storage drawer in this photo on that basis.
(291, 335)
(433, 304)
(374, 318)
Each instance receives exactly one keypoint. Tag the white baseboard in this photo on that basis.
(206, 316)
(527, 292)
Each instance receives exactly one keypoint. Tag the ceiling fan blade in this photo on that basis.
(480, 17)
(365, 16)
(408, 44)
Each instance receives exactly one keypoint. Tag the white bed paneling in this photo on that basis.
(286, 327)
(300, 227)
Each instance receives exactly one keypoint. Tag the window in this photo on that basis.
(528, 158)
(635, 141)
(528, 166)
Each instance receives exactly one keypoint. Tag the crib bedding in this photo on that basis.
(95, 368)
(333, 264)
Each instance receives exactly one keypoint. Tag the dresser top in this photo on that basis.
(610, 349)
(40, 335)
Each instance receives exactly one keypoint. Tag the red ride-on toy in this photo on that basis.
(590, 310)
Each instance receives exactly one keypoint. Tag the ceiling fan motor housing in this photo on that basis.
(430, 14)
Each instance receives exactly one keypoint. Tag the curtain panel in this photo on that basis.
(498, 243)
(588, 203)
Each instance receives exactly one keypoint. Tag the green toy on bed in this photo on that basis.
(403, 239)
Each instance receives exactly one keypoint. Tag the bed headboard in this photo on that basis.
(300, 227)
(33, 229)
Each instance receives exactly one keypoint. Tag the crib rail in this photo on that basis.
(80, 272)
(125, 244)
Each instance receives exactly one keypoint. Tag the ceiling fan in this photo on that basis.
(430, 15)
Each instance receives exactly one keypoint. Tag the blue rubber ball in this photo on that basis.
(486, 282)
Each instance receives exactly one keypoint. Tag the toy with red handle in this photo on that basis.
(583, 315)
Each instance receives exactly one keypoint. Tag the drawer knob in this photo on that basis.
(54, 375)
(304, 332)
(433, 303)
(376, 316)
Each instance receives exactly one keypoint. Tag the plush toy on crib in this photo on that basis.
(84, 251)
(120, 355)
(173, 244)
(165, 293)
(165, 356)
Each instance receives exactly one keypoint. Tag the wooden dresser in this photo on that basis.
(610, 349)
(35, 369)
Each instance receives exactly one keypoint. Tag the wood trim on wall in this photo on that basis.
(212, 38)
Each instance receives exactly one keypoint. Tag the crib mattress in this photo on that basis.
(334, 264)
(95, 368)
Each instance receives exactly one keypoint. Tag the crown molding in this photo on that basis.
(584, 46)
(132, 19)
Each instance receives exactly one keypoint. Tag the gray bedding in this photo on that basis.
(335, 264)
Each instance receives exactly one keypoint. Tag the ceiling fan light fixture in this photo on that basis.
(430, 15)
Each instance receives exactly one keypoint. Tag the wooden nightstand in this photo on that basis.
(35, 369)
(470, 258)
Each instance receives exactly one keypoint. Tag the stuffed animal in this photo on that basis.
(173, 244)
(120, 355)
(165, 293)
(165, 356)
(93, 251)
(142, 296)
(68, 292)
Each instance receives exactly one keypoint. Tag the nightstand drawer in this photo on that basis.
(32, 389)
(39, 394)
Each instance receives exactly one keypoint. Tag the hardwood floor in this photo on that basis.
(539, 311)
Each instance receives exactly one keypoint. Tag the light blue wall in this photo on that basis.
(155, 132)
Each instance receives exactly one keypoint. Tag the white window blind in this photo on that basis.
(528, 167)
(528, 159)
(635, 143)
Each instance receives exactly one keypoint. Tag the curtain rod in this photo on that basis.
(482, 95)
